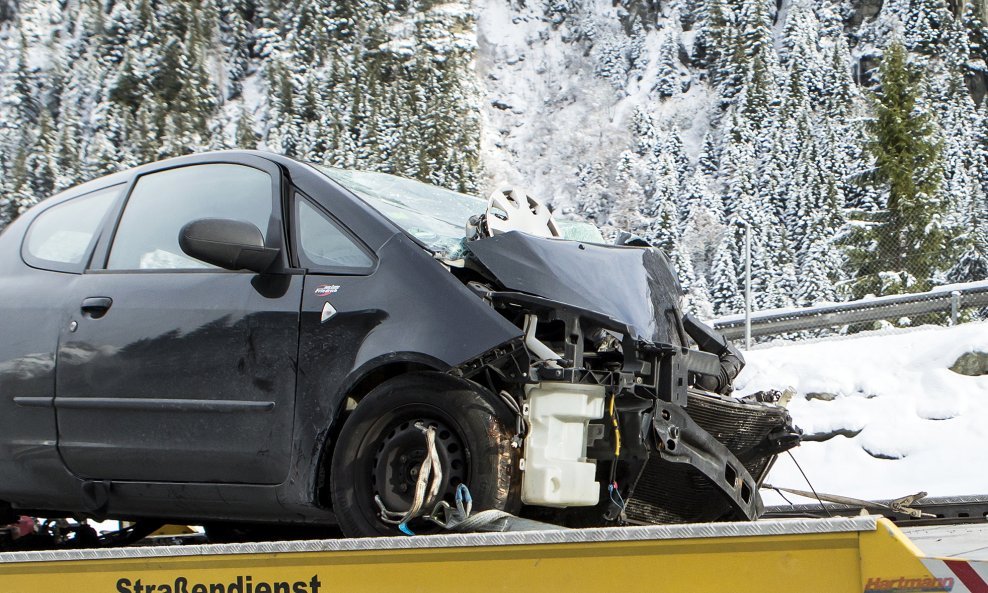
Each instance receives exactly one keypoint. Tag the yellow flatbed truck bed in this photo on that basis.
(833, 555)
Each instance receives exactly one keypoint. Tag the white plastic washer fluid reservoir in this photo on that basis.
(557, 473)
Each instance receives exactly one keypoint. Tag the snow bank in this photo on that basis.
(922, 426)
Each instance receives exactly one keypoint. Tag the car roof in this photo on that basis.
(189, 159)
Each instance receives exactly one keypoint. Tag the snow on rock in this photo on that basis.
(922, 426)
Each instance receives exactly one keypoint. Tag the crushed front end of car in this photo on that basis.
(624, 403)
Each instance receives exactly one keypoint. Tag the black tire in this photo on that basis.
(379, 446)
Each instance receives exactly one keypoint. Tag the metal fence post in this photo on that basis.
(955, 306)
(747, 284)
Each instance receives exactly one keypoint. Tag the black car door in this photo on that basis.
(173, 370)
(36, 265)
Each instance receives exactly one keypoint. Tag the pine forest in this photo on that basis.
(849, 138)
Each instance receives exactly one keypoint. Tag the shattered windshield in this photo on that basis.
(435, 216)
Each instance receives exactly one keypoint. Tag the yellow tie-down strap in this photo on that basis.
(805, 555)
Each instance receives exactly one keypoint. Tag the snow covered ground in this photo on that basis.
(908, 423)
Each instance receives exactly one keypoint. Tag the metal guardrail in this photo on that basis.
(947, 510)
(770, 323)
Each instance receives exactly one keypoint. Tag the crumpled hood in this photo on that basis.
(632, 285)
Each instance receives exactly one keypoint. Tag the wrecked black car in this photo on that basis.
(237, 337)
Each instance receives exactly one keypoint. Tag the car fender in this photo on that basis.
(410, 314)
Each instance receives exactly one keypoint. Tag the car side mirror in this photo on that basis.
(229, 244)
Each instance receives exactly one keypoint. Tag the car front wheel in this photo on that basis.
(382, 446)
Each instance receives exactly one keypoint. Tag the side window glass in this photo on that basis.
(324, 244)
(162, 203)
(60, 237)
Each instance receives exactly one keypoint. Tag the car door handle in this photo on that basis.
(96, 307)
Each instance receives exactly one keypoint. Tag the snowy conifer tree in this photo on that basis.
(726, 288)
(905, 244)
(672, 78)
